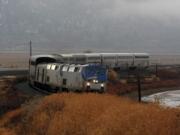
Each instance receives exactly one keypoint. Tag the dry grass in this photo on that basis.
(112, 75)
(5, 131)
(11, 117)
(169, 73)
(119, 88)
(93, 114)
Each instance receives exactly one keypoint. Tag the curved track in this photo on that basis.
(32, 91)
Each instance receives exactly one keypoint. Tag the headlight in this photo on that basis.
(95, 81)
(102, 85)
(88, 84)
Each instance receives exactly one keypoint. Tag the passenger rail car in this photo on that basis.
(112, 60)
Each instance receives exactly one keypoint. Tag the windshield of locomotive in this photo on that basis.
(96, 72)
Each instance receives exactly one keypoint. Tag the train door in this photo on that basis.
(64, 84)
(64, 77)
(64, 81)
(43, 76)
(40, 75)
(76, 80)
(60, 75)
(37, 74)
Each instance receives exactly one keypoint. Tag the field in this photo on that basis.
(168, 79)
(81, 114)
(14, 60)
(90, 114)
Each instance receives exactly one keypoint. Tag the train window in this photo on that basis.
(76, 69)
(125, 57)
(141, 57)
(93, 58)
(61, 67)
(71, 59)
(49, 66)
(66, 59)
(109, 57)
(56, 67)
(53, 67)
(80, 59)
(65, 68)
(71, 69)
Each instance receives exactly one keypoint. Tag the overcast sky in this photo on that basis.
(98, 25)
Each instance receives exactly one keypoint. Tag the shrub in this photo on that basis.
(5, 131)
(112, 75)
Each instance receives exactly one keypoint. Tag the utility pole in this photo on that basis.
(30, 54)
(139, 87)
(139, 84)
(30, 49)
(156, 70)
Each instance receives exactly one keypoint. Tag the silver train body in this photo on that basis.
(58, 77)
(112, 60)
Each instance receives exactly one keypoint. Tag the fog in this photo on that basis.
(104, 25)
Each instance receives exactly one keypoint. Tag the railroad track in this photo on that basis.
(40, 90)
(14, 72)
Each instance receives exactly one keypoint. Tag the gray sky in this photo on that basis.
(103, 25)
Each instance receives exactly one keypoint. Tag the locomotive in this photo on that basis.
(65, 77)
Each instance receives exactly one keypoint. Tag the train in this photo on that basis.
(56, 77)
(58, 71)
(111, 60)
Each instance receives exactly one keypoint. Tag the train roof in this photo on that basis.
(98, 54)
(59, 57)
(54, 57)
